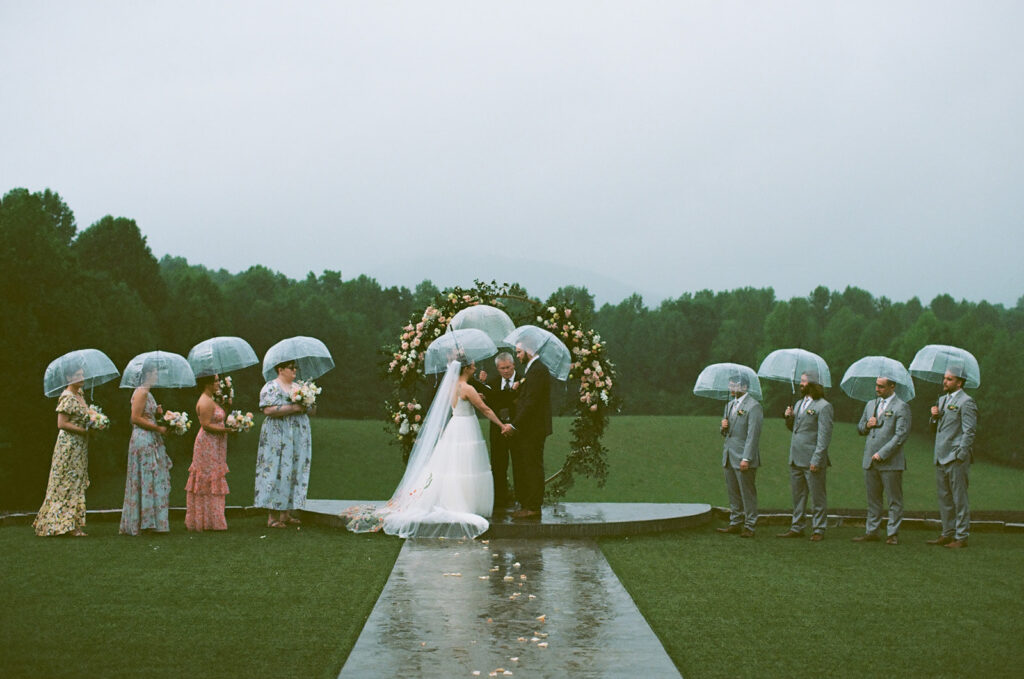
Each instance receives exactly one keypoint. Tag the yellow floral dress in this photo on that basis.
(63, 509)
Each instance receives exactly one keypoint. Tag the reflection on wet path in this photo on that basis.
(532, 608)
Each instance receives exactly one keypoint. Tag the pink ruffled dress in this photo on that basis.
(207, 488)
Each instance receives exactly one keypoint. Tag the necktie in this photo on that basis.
(504, 384)
(807, 402)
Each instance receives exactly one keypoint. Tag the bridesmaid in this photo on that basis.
(63, 509)
(286, 446)
(206, 489)
(148, 483)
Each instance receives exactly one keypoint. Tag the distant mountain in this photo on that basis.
(539, 278)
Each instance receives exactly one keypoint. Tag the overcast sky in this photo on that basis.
(661, 147)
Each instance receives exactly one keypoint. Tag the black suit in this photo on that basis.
(502, 402)
(532, 421)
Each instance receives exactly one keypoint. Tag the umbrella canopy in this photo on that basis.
(543, 344)
(935, 360)
(491, 320)
(787, 365)
(310, 355)
(96, 369)
(472, 344)
(172, 371)
(715, 380)
(859, 380)
(221, 355)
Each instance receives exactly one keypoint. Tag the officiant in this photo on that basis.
(499, 392)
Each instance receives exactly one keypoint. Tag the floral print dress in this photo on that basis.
(207, 488)
(147, 484)
(63, 509)
(286, 447)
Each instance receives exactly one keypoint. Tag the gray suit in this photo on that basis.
(954, 443)
(886, 439)
(812, 435)
(741, 443)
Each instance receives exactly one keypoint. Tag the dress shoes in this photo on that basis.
(731, 529)
(747, 533)
(525, 514)
(867, 537)
(941, 540)
(892, 540)
(817, 537)
(957, 544)
(790, 534)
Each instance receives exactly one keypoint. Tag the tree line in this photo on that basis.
(102, 287)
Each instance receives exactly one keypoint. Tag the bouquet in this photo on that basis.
(304, 393)
(239, 422)
(225, 393)
(177, 423)
(97, 420)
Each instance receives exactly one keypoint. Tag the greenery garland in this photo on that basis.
(591, 370)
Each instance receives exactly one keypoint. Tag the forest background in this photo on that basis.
(101, 287)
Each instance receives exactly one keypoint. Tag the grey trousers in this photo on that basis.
(892, 483)
(804, 482)
(954, 509)
(742, 497)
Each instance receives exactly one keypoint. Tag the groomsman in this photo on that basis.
(954, 418)
(531, 426)
(741, 427)
(500, 393)
(810, 420)
(886, 424)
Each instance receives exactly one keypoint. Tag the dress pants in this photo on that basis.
(742, 497)
(528, 470)
(501, 450)
(875, 481)
(954, 509)
(804, 482)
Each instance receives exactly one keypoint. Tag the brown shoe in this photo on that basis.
(941, 540)
(867, 537)
(817, 537)
(790, 534)
(892, 540)
(731, 529)
(747, 533)
(957, 544)
(525, 514)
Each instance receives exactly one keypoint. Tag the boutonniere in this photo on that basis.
(888, 413)
(741, 412)
(953, 407)
(810, 411)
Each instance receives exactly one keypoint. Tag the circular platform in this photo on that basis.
(562, 520)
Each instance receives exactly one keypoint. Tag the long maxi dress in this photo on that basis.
(207, 488)
(147, 486)
(285, 451)
(63, 509)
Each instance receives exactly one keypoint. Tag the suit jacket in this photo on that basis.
(532, 417)
(888, 437)
(812, 434)
(955, 428)
(743, 436)
(501, 402)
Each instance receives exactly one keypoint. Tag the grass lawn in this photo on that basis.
(292, 603)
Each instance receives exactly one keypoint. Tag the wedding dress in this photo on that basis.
(447, 489)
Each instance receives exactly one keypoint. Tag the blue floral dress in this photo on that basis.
(147, 486)
(286, 447)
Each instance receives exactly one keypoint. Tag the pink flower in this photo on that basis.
(593, 408)
(418, 417)
(405, 346)
(411, 406)
(600, 384)
(568, 312)
(586, 371)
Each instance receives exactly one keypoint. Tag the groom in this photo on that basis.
(531, 424)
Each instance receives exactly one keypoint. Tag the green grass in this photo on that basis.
(234, 604)
(727, 607)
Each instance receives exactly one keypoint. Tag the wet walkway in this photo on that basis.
(525, 608)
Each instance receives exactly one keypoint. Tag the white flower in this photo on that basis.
(404, 429)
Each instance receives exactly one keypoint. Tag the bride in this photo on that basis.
(447, 488)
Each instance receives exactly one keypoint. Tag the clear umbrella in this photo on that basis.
(493, 321)
(719, 380)
(787, 365)
(935, 360)
(219, 355)
(472, 344)
(172, 371)
(310, 355)
(859, 380)
(96, 369)
(543, 344)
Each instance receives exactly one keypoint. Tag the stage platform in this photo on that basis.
(562, 520)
